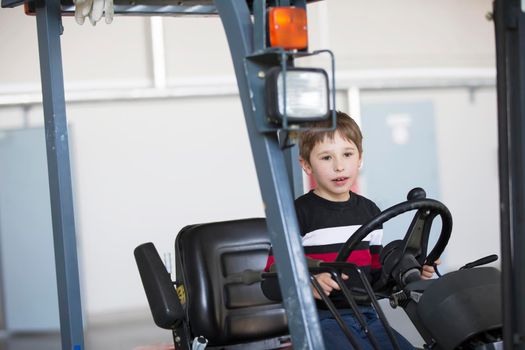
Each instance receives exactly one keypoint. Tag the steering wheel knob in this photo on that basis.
(416, 193)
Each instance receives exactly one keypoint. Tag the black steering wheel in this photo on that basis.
(401, 256)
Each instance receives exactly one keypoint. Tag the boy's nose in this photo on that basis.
(339, 166)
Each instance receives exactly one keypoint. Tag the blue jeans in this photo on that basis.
(334, 338)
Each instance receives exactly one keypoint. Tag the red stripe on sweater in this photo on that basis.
(376, 263)
(358, 257)
(269, 263)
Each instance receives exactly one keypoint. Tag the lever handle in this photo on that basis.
(479, 262)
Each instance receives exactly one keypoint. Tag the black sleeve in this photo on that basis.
(270, 288)
(300, 210)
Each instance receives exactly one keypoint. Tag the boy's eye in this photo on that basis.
(326, 157)
(348, 154)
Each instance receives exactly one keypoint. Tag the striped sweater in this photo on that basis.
(326, 225)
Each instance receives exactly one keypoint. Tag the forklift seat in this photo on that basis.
(217, 296)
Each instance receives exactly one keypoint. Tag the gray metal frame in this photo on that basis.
(270, 161)
(49, 28)
(274, 181)
(510, 50)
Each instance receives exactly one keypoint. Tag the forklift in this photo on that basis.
(263, 55)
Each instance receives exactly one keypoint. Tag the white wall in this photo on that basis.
(410, 33)
(145, 167)
(466, 130)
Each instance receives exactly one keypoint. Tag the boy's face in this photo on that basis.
(334, 164)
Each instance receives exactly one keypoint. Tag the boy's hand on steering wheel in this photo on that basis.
(427, 272)
(327, 284)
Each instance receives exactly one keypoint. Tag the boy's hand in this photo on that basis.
(327, 284)
(428, 271)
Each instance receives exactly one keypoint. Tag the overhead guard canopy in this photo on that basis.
(144, 7)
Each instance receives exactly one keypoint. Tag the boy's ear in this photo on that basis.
(306, 166)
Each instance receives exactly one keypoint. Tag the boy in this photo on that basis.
(328, 216)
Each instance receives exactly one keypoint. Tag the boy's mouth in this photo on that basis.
(340, 180)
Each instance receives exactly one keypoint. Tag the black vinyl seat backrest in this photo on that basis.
(208, 256)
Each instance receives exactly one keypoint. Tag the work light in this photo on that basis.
(297, 94)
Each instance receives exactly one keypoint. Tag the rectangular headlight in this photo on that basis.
(306, 93)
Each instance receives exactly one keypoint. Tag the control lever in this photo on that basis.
(479, 262)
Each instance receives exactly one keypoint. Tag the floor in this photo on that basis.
(122, 335)
(140, 333)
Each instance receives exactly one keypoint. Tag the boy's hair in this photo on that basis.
(345, 125)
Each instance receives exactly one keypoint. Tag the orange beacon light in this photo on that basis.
(288, 28)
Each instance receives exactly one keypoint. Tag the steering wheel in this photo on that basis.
(403, 256)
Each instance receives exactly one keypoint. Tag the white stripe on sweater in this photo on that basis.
(340, 234)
